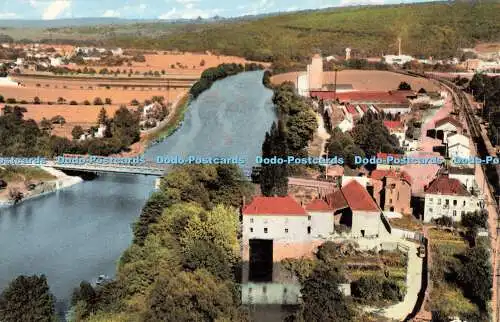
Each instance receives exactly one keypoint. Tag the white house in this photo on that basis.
(303, 84)
(117, 52)
(397, 59)
(398, 129)
(466, 175)
(447, 196)
(447, 125)
(284, 220)
(352, 204)
(100, 131)
(458, 145)
(55, 61)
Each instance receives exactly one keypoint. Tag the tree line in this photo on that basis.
(290, 136)
(212, 74)
(21, 137)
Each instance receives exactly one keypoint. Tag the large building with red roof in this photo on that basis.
(284, 220)
(355, 208)
(448, 197)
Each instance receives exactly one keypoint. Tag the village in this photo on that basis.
(411, 210)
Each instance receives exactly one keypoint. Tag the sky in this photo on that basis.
(163, 9)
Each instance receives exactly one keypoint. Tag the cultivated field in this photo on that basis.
(367, 80)
(50, 91)
(178, 63)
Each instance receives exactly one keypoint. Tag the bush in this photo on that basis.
(36, 100)
(404, 86)
(86, 102)
(446, 221)
(98, 101)
(11, 101)
(134, 102)
(107, 101)
(2, 100)
(73, 103)
(23, 102)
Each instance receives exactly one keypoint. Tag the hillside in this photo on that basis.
(426, 29)
(436, 29)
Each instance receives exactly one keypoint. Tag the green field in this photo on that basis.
(436, 29)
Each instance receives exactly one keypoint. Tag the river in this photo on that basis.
(80, 232)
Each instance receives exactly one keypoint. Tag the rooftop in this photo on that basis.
(274, 206)
(393, 125)
(395, 97)
(444, 185)
(358, 198)
(379, 174)
(318, 205)
(448, 119)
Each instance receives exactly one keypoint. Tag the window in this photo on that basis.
(447, 202)
(308, 217)
(251, 229)
(464, 203)
(390, 200)
(398, 196)
(455, 202)
(309, 230)
(286, 230)
(430, 200)
(439, 201)
(454, 213)
(251, 220)
(430, 209)
(265, 230)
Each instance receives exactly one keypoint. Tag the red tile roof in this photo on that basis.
(358, 198)
(318, 205)
(448, 120)
(444, 185)
(395, 97)
(274, 206)
(379, 174)
(392, 125)
(351, 109)
(364, 107)
(336, 200)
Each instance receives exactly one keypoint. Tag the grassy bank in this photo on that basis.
(169, 128)
(17, 174)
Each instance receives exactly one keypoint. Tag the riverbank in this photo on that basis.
(61, 181)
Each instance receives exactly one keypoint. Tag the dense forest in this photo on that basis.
(183, 264)
(430, 29)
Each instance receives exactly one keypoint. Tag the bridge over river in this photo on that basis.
(147, 168)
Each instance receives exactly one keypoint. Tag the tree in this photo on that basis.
(322, 299)
(202, 63)
(73, 103)
(422, 91)
(45, 124)
(107, 101)
(475, 220)
(134, 102)
(125, 126)
(102, 118)
(475, 275)
(77, 132)
(197, 296)
(36, 100)
(404, 86)
(98, 101)
(61, 100)
(86, 102)
(274, 177)
(27, 298)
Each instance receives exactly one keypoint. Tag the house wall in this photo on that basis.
(316, 73)
(398, 197)
(395, 110)
(459, 151)
(447, 128)
(322, 224)
(467, 180)
(280, 228)
(368, 221)
(303, 84)
(436, 206)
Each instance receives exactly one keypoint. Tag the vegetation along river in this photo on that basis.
(80, 232)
